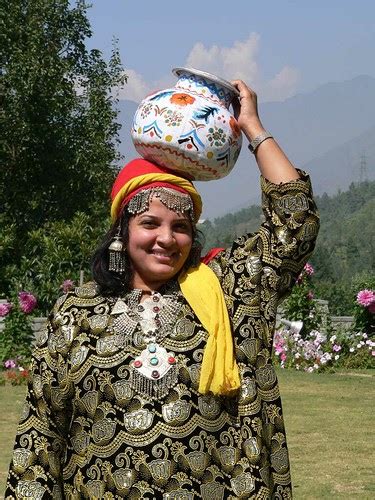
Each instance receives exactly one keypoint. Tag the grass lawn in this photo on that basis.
(330, 425)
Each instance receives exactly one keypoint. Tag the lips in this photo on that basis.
(163, 256)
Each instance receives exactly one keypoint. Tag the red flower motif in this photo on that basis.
(182, 99)
(235, 127)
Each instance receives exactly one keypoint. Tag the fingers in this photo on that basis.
(243, 88)
(236, 107)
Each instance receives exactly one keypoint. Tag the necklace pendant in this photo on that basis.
(154, 372)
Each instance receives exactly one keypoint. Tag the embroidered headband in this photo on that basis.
(140, 174)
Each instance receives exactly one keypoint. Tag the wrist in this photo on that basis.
(253, 130)
(259, 139)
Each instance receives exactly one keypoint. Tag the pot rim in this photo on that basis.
(214, 78)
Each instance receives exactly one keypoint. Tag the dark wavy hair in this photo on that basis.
(112, 283)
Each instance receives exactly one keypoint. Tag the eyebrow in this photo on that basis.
(155, 217)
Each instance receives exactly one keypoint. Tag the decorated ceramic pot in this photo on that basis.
(189, 128)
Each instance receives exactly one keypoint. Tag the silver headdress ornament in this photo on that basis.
(171, 198)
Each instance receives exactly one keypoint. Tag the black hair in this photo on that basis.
(113, 283)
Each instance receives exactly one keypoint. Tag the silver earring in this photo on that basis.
(117, 259)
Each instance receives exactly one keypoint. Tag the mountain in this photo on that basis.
(309, 125)
(325, 132)
(337, 168)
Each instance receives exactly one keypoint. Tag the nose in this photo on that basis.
(165, 236)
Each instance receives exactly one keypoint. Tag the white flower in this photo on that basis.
(352, 349)
(364, 336)
(310, 369)
(297, 355)
(337, 357)
(333, 338)
(359, 345)
(316, 366)
(21, 369)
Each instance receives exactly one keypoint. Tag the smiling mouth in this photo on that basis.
(164, 255)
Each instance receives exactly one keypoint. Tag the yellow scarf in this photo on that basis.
(202, 290)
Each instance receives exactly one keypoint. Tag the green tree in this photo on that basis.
(56, 252)
(58, 124)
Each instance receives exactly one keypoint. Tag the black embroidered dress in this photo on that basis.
(86, 432)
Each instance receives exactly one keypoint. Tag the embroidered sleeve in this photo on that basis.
(35, 469)
(289, 232)
(262, 267)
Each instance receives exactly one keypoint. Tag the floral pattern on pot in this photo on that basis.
(189, 128)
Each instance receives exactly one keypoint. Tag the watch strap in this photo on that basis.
(254, 144)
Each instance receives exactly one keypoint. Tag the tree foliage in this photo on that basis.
(58, 124)
(345, 248)
(56, 252)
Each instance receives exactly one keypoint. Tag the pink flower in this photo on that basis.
(283, 356)
(336, 347)
(5, 308)
(365, 298)
(67, 285)
(308, 268)
(10, 363)
(27, 302)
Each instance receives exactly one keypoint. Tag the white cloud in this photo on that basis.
(136, 87)
(283, 85)
(236, 62)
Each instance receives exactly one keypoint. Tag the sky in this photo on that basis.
(281, 48)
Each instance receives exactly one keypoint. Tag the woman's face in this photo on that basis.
(159, 244)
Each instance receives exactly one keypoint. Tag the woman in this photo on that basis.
(156, 381)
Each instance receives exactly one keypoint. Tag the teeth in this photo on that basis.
(163, 254)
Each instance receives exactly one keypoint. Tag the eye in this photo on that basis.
(183, 227)
(148, 223)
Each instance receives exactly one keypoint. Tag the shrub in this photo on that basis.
(17, 334)
(300, 306)
(57, 251)
(364, 305)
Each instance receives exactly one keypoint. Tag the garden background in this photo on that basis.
(59, 129)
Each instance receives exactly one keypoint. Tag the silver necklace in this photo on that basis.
(154, 371)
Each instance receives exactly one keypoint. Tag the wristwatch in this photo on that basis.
(258, 140)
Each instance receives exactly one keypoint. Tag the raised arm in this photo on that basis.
(272, 161)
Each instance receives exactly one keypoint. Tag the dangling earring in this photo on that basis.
(117, 259)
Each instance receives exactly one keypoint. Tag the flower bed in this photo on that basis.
(319, 351)
(14, 373)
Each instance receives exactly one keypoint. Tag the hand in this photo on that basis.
(246, 110)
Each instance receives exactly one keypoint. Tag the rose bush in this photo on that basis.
(319, 347)
(364, 309)
(300, 306)
(17, 335)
